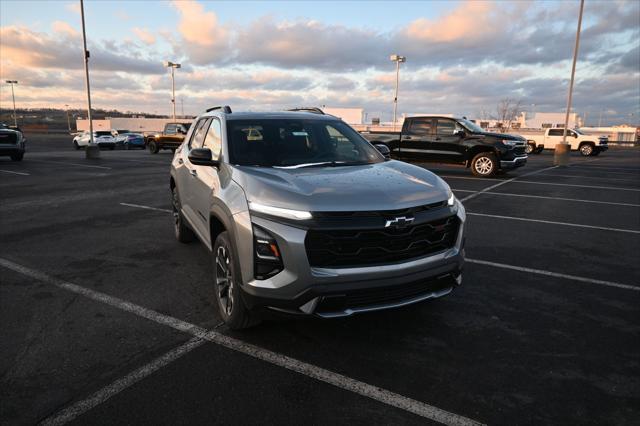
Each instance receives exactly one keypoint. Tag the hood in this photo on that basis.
(388, 185)
(506, 136)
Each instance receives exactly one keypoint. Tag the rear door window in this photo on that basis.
(421, 126)
(556, 132)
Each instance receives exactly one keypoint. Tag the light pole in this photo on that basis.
(173, 66)
(68, 120)
(397, 59)
(15, 119)
(92, 150)
(563, 150)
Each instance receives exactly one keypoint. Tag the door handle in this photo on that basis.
(193, 172)
(438, 139)
(408, 138)
(180, 161)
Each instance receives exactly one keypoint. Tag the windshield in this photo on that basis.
(297, 143)
(471, 126)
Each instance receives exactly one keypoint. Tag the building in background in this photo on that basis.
(547, 120)
(348, 115)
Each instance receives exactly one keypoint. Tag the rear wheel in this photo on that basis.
(484, 164)
(153, 147)
(75, 145)
(180, 228)
(17, 157)
(126, 146)
(586, 149)
(226, 283)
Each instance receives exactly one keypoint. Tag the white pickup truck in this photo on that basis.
(586, 144)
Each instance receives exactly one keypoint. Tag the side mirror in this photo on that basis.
(458, 132)
(384, 150)
(202, 157)
(181, 130)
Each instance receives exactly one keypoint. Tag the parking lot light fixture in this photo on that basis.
(13, 96)
(397, 59)
(563, 150)
(92, 150)
(173, 66)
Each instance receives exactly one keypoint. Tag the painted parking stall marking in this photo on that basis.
(338, 380)
(15, 173)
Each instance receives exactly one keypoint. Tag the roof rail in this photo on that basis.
(226, 109)
(314, 110)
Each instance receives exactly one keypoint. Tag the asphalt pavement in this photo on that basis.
(106, 319)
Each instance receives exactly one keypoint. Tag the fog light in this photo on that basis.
(267, 259)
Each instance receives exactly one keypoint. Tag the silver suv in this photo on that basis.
(303, 215)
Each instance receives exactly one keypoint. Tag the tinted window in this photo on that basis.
(446, 127)
(556, 132)
(297, 142)
(213, 139)
(170, 129)
(197, 137)
(421, 126)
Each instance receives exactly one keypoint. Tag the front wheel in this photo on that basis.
(530, 148)
(586, 149)
(226, 285)
(75, 145)
(484, 164)
(17, 157)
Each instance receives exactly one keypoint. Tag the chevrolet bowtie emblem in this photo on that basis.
(399, 222)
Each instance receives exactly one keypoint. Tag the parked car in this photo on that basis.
(12, 143)
(170, 138)
(302, 215)
(103, 138)
(586, 144)
(129, 140)
(453, 140)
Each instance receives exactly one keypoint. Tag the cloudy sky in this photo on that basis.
(462, 57)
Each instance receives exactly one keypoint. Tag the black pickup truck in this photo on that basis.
(453, 140)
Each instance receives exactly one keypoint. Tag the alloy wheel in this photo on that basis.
(483, 165)
(586, 150)
(224, 280)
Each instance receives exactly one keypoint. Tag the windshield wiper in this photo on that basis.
(323, 163)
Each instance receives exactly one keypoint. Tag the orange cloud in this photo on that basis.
(144, 35)
(200, 30)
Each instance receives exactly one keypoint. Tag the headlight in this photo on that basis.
(280, 212)
(509, 143)
(451, 200)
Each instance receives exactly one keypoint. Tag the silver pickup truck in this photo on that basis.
(12, 143)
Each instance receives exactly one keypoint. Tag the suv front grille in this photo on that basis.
(8, 138)
(356, 248)
(519, 150)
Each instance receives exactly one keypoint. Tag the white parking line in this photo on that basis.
(612, 188)
(146, 207)
(578, 200)
(504, 182)
(555, 274)
(15, 173)
(70, 164)
(77, 409)
(550, 222)
(598, 177)
(309, 370)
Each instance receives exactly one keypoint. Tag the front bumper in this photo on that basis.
(11, 149)
(336, 292)
(518, 161)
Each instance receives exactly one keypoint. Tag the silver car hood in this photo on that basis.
(389, 185)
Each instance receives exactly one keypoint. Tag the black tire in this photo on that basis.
(112, 147)
(587, 149)
(484, 164)
(17, 157)
(75, 145)
(153, 147)
(126, 146)
(530, 148)
(226, 288)
(182, 232)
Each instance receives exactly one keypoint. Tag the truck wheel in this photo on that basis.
(75, 145)
(484, 164)
(586, 149)
(226, 284)
(153, 147)
(181, 230)
(17, 157)
(530, 148)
